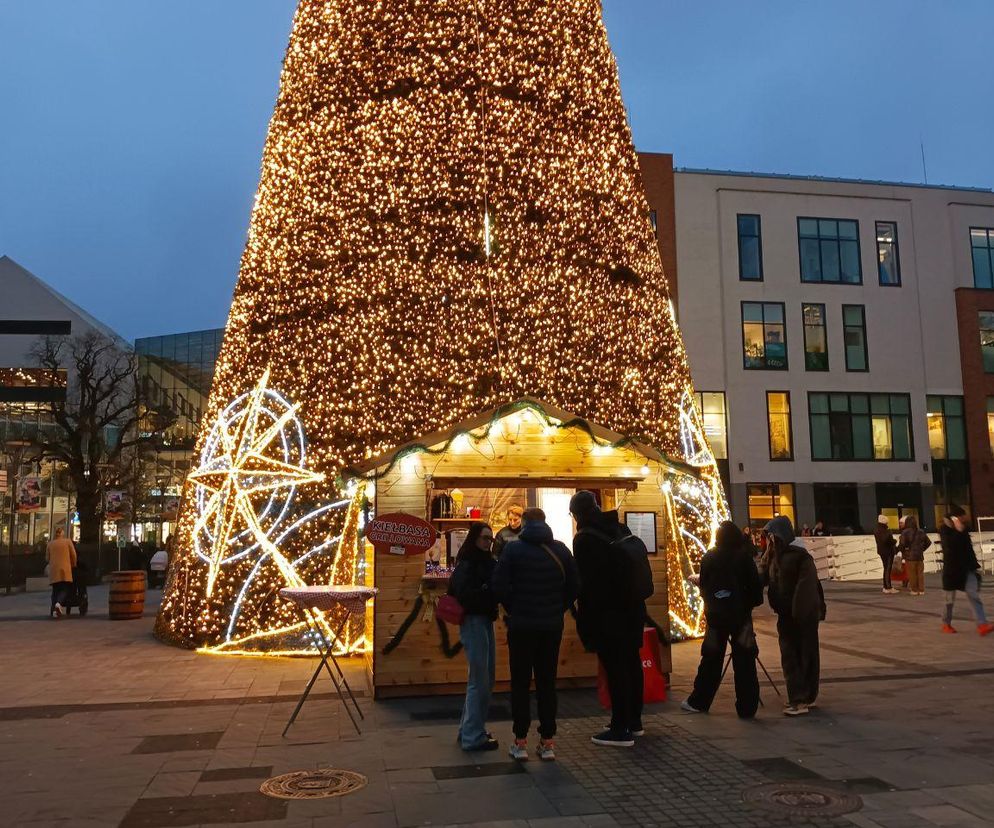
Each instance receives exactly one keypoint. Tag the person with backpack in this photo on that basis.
(470, 586)
(615, 581)
(730, 587)
(960, 570)
(796, 596)
(887, 550)
(912, 546)
(536, 582)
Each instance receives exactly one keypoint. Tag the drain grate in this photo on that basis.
(802, 799)
(319, 784)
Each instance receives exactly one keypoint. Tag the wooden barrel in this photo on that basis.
(127, 595)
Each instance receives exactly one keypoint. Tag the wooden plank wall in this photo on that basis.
(519, 447)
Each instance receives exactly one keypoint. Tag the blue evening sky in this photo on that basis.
(131, 130)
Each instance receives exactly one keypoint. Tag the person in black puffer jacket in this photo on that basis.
(730, 586)
(609, 619)
(960, 570)
(470, 586)
(796, 597)
(536, 582)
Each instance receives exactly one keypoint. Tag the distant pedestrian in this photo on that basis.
(730, 586)
(510, 531)
(750, 541)
(819, 530)
(796, 597)
(536, 582)
(61, 557)
(960, 570)
(470, 586)
(912, 546)
(615, 580)
(886, 549)
(806, 531)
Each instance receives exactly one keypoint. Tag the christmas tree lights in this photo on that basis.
(450, 219)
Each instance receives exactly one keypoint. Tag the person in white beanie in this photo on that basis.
(886, 549)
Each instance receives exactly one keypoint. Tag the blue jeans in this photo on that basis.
(477, 636)
(972, 591)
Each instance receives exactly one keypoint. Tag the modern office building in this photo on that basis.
(841, 336)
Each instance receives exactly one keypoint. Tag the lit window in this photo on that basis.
(946, 429)
(990, 423)
(778, 419)
(712, 406)
(770, 500)
(888, 258)
(764, 336)
(860, 426)
(987, 340)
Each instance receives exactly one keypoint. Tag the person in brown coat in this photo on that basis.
(61, 557)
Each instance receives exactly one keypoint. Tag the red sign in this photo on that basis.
(401, 534)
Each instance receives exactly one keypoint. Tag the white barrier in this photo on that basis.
(855, 558)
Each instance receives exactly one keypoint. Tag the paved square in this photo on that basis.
(102, 725)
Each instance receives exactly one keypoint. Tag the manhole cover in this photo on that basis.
(319, 784)
(802, 799)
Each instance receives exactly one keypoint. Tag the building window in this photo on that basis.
(829, 250)
(654, 223)
(987, 340)
(712, 406)
(860, 426)
(778, 419)
(764, 336)
(750, 248)
(946, 428)
(815, 338)
(888, 258)
(990, 423)
(854, 336)
(768, 500)
(982, 248)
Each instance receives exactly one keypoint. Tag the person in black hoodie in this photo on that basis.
(730, 586)
(796, 597)
(536, 581)
(960, 570)
(470, 586)
(887, 550)
(609, 618)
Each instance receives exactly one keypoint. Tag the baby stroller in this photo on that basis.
(77, 594)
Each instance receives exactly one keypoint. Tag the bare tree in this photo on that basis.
(103, 426)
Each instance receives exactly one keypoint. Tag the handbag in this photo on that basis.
(450, 610)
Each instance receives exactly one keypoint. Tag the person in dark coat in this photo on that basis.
(609, 618)
(960, 570)
(536, 582)
(887, 550)
(730, 586)
(470, 586)
(510, 532)
(797, 598)
(912, 546)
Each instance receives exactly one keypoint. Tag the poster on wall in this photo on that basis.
(643, 525)
(115, 504)
(29, 494)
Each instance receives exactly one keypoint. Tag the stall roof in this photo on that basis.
(481, 419)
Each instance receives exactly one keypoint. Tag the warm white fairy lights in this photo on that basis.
(450, 219)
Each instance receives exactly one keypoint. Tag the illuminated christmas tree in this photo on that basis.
(450, 219)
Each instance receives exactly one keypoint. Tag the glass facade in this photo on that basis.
(829, 250)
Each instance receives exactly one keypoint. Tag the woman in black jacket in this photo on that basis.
(960, 570)
(470, 586)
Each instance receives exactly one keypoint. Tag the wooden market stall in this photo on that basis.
(528, 454)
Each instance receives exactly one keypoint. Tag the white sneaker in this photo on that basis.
(59, 610)
(795, 710)
(687, 707)
(518, 750)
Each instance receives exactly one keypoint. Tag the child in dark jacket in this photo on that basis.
(470, 586)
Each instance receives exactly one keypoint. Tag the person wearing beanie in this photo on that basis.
(887, 550)
(960, 570)
(610, 613)
(796, 596)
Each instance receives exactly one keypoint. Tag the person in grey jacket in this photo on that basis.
(912, 546)
(536, 581)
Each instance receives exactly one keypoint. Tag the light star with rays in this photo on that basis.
(242, 470)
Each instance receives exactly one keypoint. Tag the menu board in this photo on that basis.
(643, 525)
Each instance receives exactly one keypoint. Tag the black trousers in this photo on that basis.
(534, 653)
(800, 660)
(60, 593)
(744, 654)
(888, 562)
(619, 653)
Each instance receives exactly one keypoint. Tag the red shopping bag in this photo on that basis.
(653, 680)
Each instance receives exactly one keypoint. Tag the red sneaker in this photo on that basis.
(946, 628)
(985, 629)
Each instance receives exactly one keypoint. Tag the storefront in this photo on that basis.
(530, 456)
